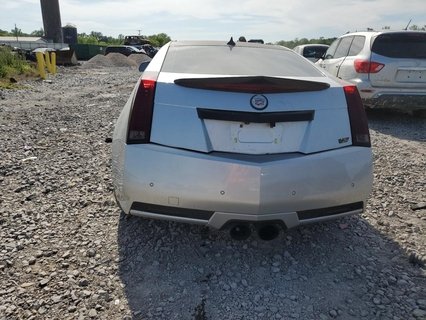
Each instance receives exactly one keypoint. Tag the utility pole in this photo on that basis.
(139, 32)
(16, 33)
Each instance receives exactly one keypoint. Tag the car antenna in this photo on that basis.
(408, 24)
(231, 42)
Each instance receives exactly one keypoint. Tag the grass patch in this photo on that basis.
(13, 65)
(7, 84)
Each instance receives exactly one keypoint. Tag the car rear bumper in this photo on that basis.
(392, 98)
(217, 189)
(406, 102)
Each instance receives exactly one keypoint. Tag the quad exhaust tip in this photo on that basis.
(266, 232)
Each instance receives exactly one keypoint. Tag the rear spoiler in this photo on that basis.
(252, 84)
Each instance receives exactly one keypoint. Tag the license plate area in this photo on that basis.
(411, 75)
(256, 133)
(255, 138)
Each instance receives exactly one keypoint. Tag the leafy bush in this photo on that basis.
(12, 64)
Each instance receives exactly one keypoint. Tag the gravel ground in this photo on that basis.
(67, 253)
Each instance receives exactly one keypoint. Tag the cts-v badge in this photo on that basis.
(259, 102)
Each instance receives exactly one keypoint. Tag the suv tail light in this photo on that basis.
(357, 117)
(140, 121)
(366, 66)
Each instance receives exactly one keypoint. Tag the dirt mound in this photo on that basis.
(139, 58)
(120, 60)
(115, 59)
(98, 61)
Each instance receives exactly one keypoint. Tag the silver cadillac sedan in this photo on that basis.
(235, 134)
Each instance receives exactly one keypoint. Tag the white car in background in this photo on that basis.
(388, 67)
(312, 52)
(232, 134)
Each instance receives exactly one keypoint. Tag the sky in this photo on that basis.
(270, 20)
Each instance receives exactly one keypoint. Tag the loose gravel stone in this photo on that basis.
(44, 282)
(333, 313)
(83, 283)
(91, 253)
(93, 313)
(419, 313)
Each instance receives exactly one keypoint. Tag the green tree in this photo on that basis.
(86, 39)
(96, 34)
(98, 38)
(17, 32)
(110, 40)
(37, 33)
(4, 33)
(158, 40)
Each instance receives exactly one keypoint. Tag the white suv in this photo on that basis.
(389, 68)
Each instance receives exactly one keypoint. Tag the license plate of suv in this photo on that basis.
(411, 75)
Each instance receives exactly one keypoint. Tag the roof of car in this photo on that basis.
(376, 32)
(177, 43)
(312, 45)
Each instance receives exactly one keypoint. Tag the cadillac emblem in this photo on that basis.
(259, 102)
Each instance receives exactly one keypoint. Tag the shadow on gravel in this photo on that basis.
(343, 269)
(399, 125)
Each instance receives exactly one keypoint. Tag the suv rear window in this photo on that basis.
(401, 45)
(238, 60)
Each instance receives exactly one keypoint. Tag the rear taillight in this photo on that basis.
(366, 66)
(140, 121)
(357, 117)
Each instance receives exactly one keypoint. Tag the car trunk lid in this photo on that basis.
(249, 114)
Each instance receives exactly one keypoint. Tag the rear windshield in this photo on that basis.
(243, 60)
(401, 45)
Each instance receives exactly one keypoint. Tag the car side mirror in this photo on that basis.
(143, 66)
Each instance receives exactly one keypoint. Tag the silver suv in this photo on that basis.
(389, 68)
